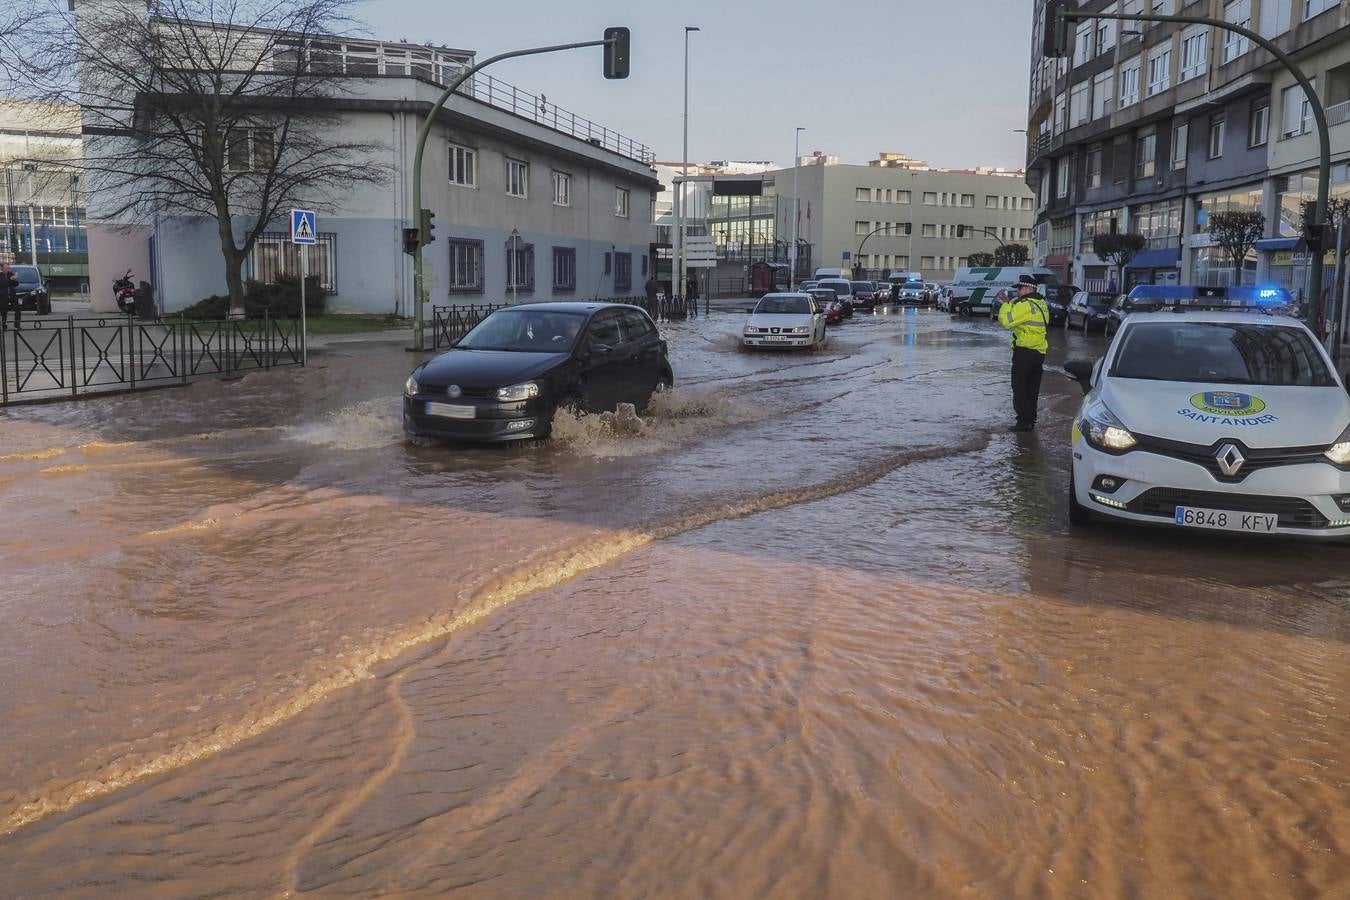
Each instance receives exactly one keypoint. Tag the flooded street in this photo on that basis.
(820, 630)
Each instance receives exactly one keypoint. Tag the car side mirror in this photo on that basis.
(1080, 370)
(601, 349)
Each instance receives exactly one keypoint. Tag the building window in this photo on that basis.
(463, 166)
(1297, 112)
(1145, 149)
(1238, 12)
(1103, 92)
(1061, 120)
(929, 198)
(1106, 32)
(1062, 173)
(902, 196)
(519, 265)
(1025, 203)
(1258, 129)
(1160, 223)
(1218, 127)
(930, 231)
(466, 266)
(861, 228)
(1160, 68)
(1129, 84)
(1094, 167)
(621, 202)
(1080, 103)
(990, 201)
(1132, 7)
(249, 150)
(1106, 221)
(562, 189)
(564, 269)
(968, 200)
(1338, 86)
(274, 257)
(1194, 53)
(863, 195)
(1317, 7)
(517, 178)
(927, 262)
(623, 272)
(1276, 17)
(1083, 40)
(1181, 136)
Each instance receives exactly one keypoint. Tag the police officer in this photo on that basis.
(1028, 318)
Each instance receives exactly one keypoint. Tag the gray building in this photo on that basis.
(1151, 128)
(531, 201)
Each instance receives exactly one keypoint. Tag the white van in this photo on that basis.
(833, 273)
(972, 291)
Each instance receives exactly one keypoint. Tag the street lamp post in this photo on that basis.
(515, 265)
(684, 172)
(796, 209)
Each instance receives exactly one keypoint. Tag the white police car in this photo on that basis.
(1213, 414)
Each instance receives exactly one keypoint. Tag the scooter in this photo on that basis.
(125, 294)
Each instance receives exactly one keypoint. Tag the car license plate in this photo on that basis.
(451, 411)
(1227, 520)
(777, 337)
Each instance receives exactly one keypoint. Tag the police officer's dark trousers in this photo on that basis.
(1027, 365)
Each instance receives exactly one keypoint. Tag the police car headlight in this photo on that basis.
(1104, 431)
(1339, 452)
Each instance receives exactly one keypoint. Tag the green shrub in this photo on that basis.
(280, 300)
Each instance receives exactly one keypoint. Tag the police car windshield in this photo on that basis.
(790, 305)
(1222, 353)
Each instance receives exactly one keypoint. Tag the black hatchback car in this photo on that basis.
(506, 378)
(32, 291)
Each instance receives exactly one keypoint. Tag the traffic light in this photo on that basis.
(426, 227)
(410, 241)
(1314, 235)
(616, 52)
(1055, 37)
(960, 231)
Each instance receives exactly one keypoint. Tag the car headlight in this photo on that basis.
(411, 386)
(800, 329)
(1104, 431)
(749, 330)
(1339, 452)
(518, 392)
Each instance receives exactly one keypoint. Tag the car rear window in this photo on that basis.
(1222, 353)
(862, 286)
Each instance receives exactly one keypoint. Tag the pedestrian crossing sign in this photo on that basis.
(304, 227)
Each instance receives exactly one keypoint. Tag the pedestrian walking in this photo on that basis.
(651, 288)
(1028, 318)
(9, 296)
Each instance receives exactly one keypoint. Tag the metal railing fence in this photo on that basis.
(452, 322)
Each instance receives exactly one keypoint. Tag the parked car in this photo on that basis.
(507, 378)
(909, 293)
(1088, 311)
(864, 294)
(785, 320)
(1057, 298)
(33, 293)
(828, 302)
(808, 285)
(844, 289)
(1127, 304)
(881, 292)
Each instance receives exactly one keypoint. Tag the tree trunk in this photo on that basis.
(234, 263)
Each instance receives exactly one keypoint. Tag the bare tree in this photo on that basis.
(224, 109)
(1237, 231)
(1118, 249)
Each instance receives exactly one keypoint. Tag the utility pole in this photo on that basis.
(797, 209)
(1058, 13)
(684, 173)
(616, 44)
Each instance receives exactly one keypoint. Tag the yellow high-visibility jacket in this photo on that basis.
(1027, 318)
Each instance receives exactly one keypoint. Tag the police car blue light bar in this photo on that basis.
(1190, 296)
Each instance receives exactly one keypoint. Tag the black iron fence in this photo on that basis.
(450, 323)
(52, 358)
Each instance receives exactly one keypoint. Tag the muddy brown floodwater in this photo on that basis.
(819, 631)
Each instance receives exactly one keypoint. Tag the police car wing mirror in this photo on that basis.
(1080, 370)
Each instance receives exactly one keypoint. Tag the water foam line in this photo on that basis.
(356, 667)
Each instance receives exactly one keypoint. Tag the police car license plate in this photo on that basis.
(450, 410)
(1227, 520)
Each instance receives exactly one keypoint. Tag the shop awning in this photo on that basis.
(1280, 243)
(1167, 258)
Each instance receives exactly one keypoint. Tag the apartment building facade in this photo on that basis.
(1152, 128)
(531, 201)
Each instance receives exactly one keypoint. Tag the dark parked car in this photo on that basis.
(506, 378)
(1123, 306)
(1058, 297)
(1088, 310)
(843, 288)
(33, 294)
(864, 294)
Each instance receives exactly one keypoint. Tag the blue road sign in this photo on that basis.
(304, 227)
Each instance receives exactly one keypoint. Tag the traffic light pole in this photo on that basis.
(1319, 117)
(424, 132)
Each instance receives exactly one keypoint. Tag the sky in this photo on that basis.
(944, 81)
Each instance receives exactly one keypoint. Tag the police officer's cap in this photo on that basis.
(1026, 281)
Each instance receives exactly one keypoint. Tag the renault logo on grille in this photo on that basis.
(1230, 459)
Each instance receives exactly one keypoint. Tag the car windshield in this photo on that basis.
(27, 274)
(1222, 353)
(789, 304)
(862, 286)
(827, 296)
(525, 331)
(1099, 301)
(840, 288)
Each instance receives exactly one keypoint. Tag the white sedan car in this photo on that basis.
(1229, 421)
(785, 320)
